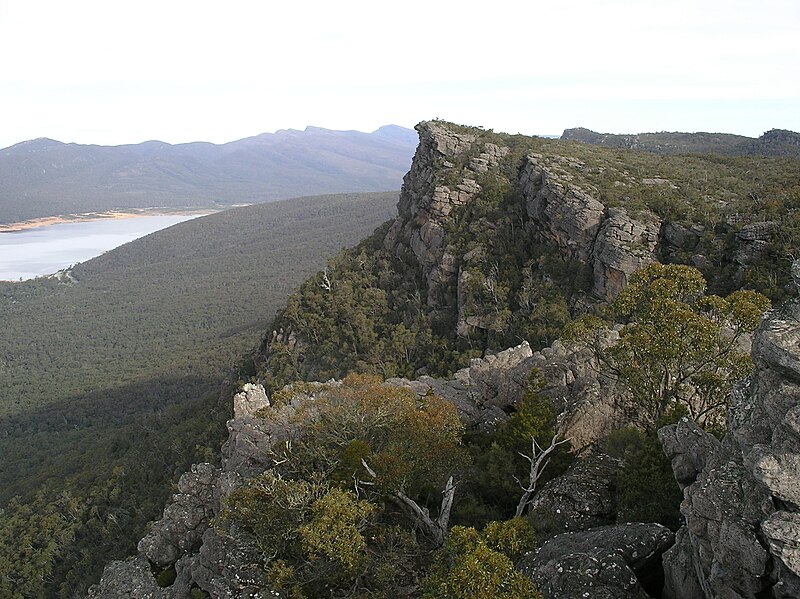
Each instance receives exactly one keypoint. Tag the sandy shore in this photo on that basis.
(46, 221)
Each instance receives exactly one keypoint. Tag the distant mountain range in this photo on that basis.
(44, 177)
(776, 142)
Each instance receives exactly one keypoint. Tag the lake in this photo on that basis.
(45, 250)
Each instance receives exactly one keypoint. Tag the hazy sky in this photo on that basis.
(123, 72)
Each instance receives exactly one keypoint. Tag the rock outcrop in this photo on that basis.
(582, 498)
(623, 246)
(184, 538)
(488, 390)
(742, 496)
(560, 211)
(484, 393)
(611, 241)
(445, 175)
(429, 197)
(609, 561)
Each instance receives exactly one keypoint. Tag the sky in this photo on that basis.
(120, 72)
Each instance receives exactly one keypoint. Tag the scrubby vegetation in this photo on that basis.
(359, 501)
(363, 499)
(372, 311)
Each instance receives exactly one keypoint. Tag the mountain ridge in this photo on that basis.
(775, 142)
(48, 178)
(490, 230)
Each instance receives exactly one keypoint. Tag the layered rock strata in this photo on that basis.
(445, 176)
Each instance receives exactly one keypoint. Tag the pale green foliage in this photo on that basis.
(334, 532)
(271, 508)
(467, 567)
(511, 537)
(681, 346)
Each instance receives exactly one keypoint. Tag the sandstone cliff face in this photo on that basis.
(427, 200)
(742, 496)
(445, 176)
(613, 242)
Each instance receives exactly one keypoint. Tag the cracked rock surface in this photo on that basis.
(742, 496)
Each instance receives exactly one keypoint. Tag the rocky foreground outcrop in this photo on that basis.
(608, 561)
(742, 495)
(184, 540)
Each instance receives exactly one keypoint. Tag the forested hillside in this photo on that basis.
(111, 377)
(44, 177)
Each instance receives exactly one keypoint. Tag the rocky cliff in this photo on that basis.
(500, 238)
(446, 175)
(742, 495)
(186, 542)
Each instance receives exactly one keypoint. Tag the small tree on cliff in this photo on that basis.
(679, 348)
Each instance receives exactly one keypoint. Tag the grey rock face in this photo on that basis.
(444, 176)
(689, 448)
(680, 581)
(484, 390)
(610, 559)
(581, 575)
(623, 246)
(129, 579)
(560, 212)
(581, 498)
(489, 389)
(742, 496)
(613, 242)
(250, 400)
(427, 200)
(185, 520)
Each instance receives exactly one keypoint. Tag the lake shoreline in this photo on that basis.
(47, 221)
(44, 250)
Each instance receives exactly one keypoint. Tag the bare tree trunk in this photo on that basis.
(539, 459)
(436, 530)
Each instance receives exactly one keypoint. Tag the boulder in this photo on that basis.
(580, 575)
(584, 497)
(614, 560)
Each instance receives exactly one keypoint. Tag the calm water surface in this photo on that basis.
(46, 250)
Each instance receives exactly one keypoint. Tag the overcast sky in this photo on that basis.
(108, 72)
